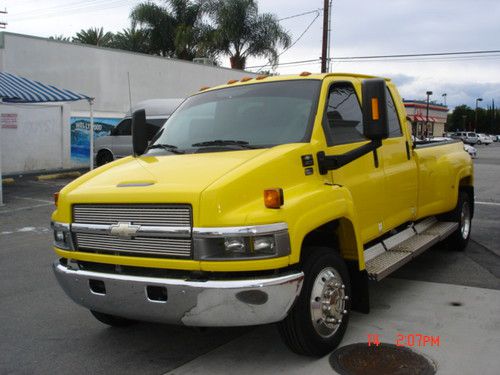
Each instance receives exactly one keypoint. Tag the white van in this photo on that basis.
(119, 142)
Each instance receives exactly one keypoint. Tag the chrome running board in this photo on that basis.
(392, 253)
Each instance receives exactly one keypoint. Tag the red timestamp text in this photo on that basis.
(410, 340)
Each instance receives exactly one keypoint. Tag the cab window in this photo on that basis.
(392, 117)
(344, 119)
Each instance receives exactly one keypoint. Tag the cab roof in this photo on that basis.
(303, 75)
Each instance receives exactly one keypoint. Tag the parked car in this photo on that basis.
(472, 151)
(470, 138)
(496, 138)
(119, 142)
(484, 139)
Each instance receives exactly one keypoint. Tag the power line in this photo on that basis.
(295, 42)
(415, 55)
(301, 14)
(288, 63)
(79, 6)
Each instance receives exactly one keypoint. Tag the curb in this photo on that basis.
(8, 181)
(58, 175)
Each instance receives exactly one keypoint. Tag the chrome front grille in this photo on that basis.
(154, 215)
(157, 230)
(143, 245)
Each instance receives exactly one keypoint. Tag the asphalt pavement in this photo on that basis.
(448, 294)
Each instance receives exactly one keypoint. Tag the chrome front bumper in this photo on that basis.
(213, 303)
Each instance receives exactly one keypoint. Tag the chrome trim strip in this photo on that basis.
(143, 231)
(213, 303)
(60, 226)
(239, 231)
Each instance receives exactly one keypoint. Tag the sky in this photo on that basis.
(358, 28)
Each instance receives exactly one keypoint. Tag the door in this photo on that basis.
(122, 138)
(399, 167)
(343, 126)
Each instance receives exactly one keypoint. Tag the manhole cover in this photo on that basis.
(387, 359)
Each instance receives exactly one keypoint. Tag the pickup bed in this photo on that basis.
(270, 200)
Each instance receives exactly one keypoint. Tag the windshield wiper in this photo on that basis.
(223, 142)
(173, 149)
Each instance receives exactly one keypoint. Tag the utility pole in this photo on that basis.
(475, 115)
(3, 25)
(324, 49)
(428, 93)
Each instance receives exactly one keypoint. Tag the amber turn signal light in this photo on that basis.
(56, 198)
(273, 198)
(375, 113)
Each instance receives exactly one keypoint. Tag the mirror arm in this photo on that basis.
(327, 163)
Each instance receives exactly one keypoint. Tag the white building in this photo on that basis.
(39, 137)
(427, 121)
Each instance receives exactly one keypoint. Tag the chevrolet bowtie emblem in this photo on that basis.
(124, 229)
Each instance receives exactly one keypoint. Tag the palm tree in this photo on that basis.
(240, 31)
(157, 21)
(60, 38)
(94, 36)
(176, 29)
(132, 39)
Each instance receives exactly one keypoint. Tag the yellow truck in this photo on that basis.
(267, 200)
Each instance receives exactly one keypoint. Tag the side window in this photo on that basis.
(124, 127)
(344, 118)
(392, 117)
(152, 127)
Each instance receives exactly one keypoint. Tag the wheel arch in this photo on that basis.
(340, 235)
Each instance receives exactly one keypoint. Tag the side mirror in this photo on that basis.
(375, 124)
(139, 132)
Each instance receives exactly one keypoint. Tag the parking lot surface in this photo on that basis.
(455, 296)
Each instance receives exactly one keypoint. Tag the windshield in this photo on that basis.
(242, 117)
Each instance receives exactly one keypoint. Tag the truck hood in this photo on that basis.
(155, 179)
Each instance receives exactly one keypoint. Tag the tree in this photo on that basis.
(60, 38)
(462, 118)
(94, 36)
(132, 39)
(240, 31)
(175, 30)
(157, 21)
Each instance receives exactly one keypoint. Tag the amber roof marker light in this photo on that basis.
(273, 198)
(56, 198)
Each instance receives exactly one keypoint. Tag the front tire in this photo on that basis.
(112, 320)
(317, 322)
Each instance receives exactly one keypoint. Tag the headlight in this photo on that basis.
(62, 236)
(224, 243)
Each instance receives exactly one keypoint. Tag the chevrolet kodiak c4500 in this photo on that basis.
(274, 199)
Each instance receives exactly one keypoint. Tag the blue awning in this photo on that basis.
(15, 89)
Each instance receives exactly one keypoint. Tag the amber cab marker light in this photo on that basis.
(56, 198)
(204, 88)
(258, 78)
(273, 198)
(375, 114)
(245, 79)
(231, 81)
(305, 74)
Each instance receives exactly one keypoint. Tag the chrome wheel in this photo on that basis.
(465, 220)
(328, 302)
